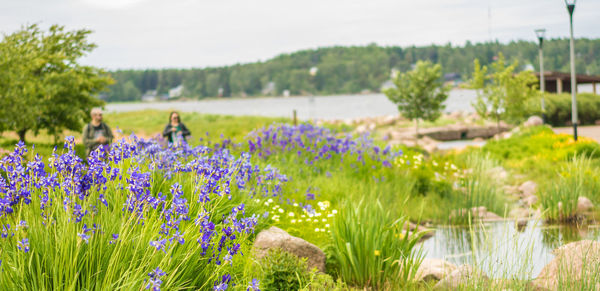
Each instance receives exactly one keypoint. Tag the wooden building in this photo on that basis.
(557, 82)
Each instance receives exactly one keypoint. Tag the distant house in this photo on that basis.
(269, 89)
(176, 92)
(387, 85)
(452, 78)
(150, 96)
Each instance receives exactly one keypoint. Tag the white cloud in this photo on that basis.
(188, 33)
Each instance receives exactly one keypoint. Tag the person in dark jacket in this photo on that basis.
(96, 133)
(175, 129)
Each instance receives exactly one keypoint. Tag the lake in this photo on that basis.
(307, 107)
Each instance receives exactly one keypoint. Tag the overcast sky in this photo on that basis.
(187, 33)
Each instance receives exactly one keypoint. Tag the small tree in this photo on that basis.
(502, 93)
(420, 93)
(42, 86)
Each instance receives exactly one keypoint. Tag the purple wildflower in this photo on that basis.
(154, 282)
(23, 245)
(254, 286)
(159, 244)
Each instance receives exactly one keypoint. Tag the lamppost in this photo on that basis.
(540, 35)
(571, 8)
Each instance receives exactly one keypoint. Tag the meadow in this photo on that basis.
(151, 215)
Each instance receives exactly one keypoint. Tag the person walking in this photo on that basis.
(175, 129)
(96, 133)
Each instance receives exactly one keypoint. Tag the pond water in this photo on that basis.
(501, 249)
(307, 107)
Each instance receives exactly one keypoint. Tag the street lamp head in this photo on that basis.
(570, 6)
(540, 32)
(540, 35)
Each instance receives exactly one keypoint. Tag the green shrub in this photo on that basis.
(479, 187)
(577, 178)
(532, 147)
(281, 270)
(320, 281)
(369, 247)
(558, 108)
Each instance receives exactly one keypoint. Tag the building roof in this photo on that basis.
(580, 78)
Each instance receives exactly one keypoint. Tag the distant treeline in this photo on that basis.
(344, 69)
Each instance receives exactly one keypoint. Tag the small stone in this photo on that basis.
(584, 204)
(528, 188)
(434, 269)
(522, 224)
(461, 276)
(533, 121)
(530, 200)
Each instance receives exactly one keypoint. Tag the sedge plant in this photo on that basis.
(369, 247)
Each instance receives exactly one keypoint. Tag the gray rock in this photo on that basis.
(476, 213)
(277, 238)
(464, 275)
(530, 200)
(434, 269)
(576, 264)
(519, 213)
(533, 121)
(584, 205)
(528, 188)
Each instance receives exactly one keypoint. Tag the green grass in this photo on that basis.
(578, 177)
(151, 122)
(369, 247)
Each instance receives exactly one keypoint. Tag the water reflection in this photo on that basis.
(503, 249)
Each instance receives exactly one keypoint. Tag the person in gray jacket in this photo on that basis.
(96, 133)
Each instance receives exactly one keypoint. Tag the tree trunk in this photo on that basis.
(416, 131)
(21, 133)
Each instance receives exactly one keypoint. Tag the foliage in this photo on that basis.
(42, 85)
(575, 179)
(281, 270)
(370, 248)
(501, 91)
(558, 108)
(478, 186)
(419, 94)
(344, 70)
(144, 216)
(320, 281)
(537, 144)
(434, 174)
